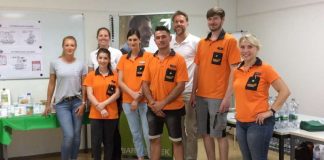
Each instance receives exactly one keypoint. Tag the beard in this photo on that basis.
(179, 30)
(216, 28)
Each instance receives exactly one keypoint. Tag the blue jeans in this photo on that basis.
(138, 125)
(71, 127)
(254, 139)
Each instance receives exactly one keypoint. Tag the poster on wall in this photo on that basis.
(21, 50)
(146, 24)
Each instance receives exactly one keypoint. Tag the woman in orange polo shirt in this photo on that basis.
(255, 118)
(102, 91)
(130, 70)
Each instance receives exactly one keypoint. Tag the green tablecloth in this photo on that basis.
(24, 123)
(33, 122)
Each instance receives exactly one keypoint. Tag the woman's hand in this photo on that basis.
(262, 116)
(100, 106)
(47, 110)
(80, 110)
(134, 105)
(104, 113)
(137, 95)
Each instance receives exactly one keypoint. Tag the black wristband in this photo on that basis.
(273, 111)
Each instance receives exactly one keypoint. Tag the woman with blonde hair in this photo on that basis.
(66, 77)
(255, 117)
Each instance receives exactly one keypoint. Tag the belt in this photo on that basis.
(69, 98)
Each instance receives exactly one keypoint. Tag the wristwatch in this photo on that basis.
(273, 111)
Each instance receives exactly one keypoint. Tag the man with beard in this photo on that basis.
(185, 44)
(216, 57)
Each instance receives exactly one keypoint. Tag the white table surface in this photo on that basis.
(319, 136)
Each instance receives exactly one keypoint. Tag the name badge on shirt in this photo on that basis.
(253, 82)
(170, 73)
(217, 58)
(111, 88)
(139, 70)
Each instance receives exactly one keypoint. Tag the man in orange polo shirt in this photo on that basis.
(212, 88)
(164, 80)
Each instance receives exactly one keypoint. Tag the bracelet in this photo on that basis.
(273, 111)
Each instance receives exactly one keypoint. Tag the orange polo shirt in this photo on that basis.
(164, 75)
(214, 59)
(132, 72)
(103, 87)
(251, 90)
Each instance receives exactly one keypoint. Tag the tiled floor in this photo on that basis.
(234, 153)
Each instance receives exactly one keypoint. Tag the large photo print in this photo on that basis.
(146, 24)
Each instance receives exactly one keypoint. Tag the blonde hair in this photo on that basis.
(66, 38)
(250, 38)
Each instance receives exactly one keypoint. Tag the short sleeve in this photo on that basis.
(116, 78)
(271, 74)
(196, 60)
(234, 52)
(120, 65)
(88, 81)
(52, 68)
(146, 73)
(84, 69)
(182, 73)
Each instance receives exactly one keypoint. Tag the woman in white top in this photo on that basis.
(103, 38)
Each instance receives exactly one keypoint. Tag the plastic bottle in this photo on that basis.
(293, 110)
(5, 97)
(322, 152)
(277, 116)
(29, 98)
(316, 152)
(284, 117)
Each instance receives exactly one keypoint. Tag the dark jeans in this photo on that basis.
(102, 132)
(254, 139)
(117, 153)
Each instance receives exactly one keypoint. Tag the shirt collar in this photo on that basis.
(186, 40)
(220, 37)
(258, 62)
(97, 73)
(140, 53)
(172, 53)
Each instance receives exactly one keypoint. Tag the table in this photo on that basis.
(35, 122)
(25, 123)
(280, 134)
(315, 137)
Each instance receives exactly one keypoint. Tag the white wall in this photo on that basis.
(291, 32)
(96, 15)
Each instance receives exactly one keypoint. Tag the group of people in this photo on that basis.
(187, 84)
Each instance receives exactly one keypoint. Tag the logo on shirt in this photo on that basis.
(170, 73)
(139, 70)
(253, 82)
(217, 58)
(111, 88)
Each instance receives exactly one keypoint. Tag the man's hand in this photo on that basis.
(157, 108)
(224, 107)
(193, 100)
